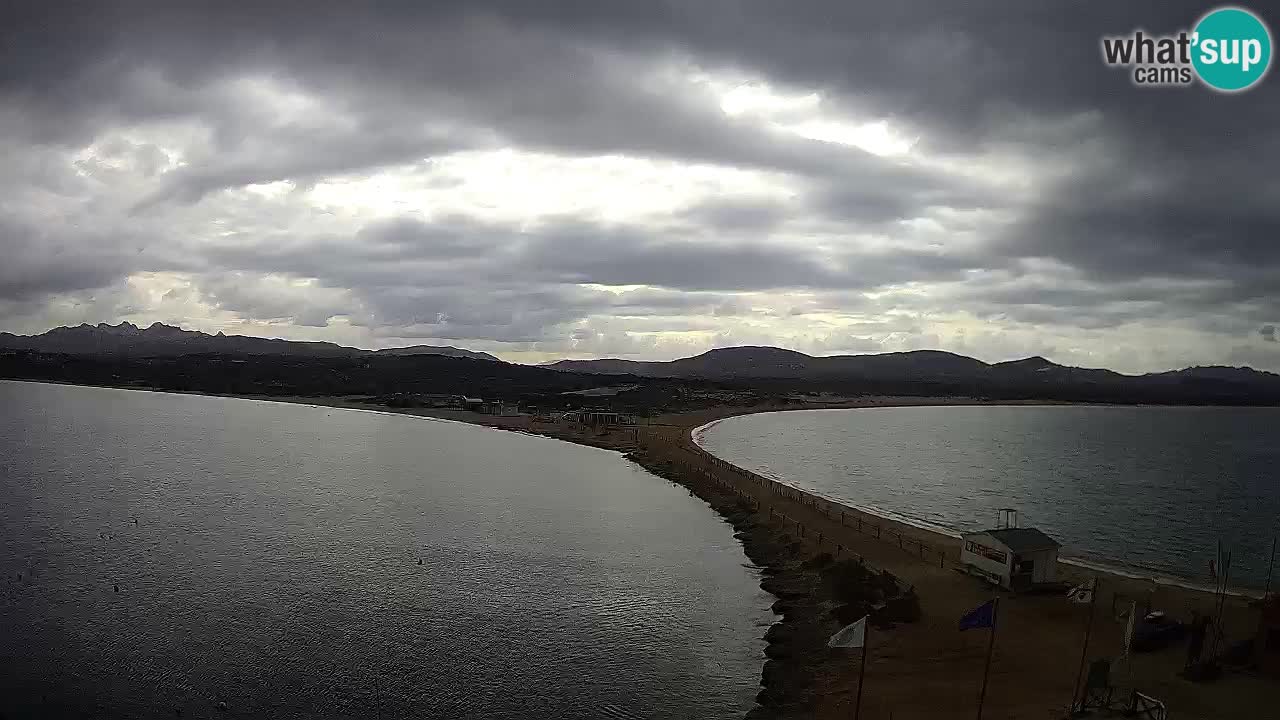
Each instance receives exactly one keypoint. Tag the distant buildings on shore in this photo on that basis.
(599, 418)
(592, 417)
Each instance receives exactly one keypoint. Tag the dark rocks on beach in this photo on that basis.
(777, 633)
(904, 608)
(850, 613)
(771, 673)
(820, 560)
(768, 698)
(813, 593)
(778, 651)
(780, 588)
(851, 582)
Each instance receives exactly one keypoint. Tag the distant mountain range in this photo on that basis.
(738, 363)
(446, 350)
(160, 339)
(769, 369)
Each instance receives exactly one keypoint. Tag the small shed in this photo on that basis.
(1012, 557)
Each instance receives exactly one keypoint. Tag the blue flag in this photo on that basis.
(979, 617)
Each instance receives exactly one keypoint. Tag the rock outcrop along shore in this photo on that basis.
(816, 592)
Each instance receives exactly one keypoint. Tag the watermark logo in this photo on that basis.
(1229, 50)
(1234, 49)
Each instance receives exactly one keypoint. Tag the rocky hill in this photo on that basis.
(160, 339)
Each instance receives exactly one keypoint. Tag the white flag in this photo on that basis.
(1081, 593)
(850, 636)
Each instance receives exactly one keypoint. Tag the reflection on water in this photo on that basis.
(293, 561)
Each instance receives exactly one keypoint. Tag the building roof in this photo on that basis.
(1023, 539)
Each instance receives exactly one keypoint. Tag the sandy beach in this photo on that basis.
(928, 668)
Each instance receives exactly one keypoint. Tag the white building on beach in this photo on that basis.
(1012, 557)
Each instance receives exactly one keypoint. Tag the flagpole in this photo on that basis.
(1131, 627)
(1084, 651)
(862, 672)
(1223, 572)
(991, 646)
(1219, 587)
(1222, 603)
(1271, 566)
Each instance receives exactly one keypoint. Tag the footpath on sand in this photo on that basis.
(928, 668)
(921, 669)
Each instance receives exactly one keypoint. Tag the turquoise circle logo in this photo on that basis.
(1231, 49)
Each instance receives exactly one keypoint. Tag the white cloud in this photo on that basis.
(533, 183)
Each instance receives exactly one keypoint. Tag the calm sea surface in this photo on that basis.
(1148, 489)
(273, 566)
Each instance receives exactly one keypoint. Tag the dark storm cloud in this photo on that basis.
(1268, 333)
(579, 252)
(392, 66)
(458, 278)
(958, 73)
(1163, 215)
(36, 264)
(1161, 203)
(299, 158)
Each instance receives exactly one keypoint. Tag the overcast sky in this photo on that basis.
(637, 179)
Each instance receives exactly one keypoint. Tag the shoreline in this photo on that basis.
(785, 535)
(1120, 570)
(795, 642)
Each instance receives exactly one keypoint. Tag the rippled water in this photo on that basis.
(1150, 489)
(273, 566)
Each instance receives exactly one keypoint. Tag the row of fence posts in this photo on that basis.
(777, 488)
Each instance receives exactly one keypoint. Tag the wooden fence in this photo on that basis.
(710, 467)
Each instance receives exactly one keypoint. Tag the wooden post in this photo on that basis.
(1084, 650)
(991, 646)
(862, 671)
(1270, 566)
